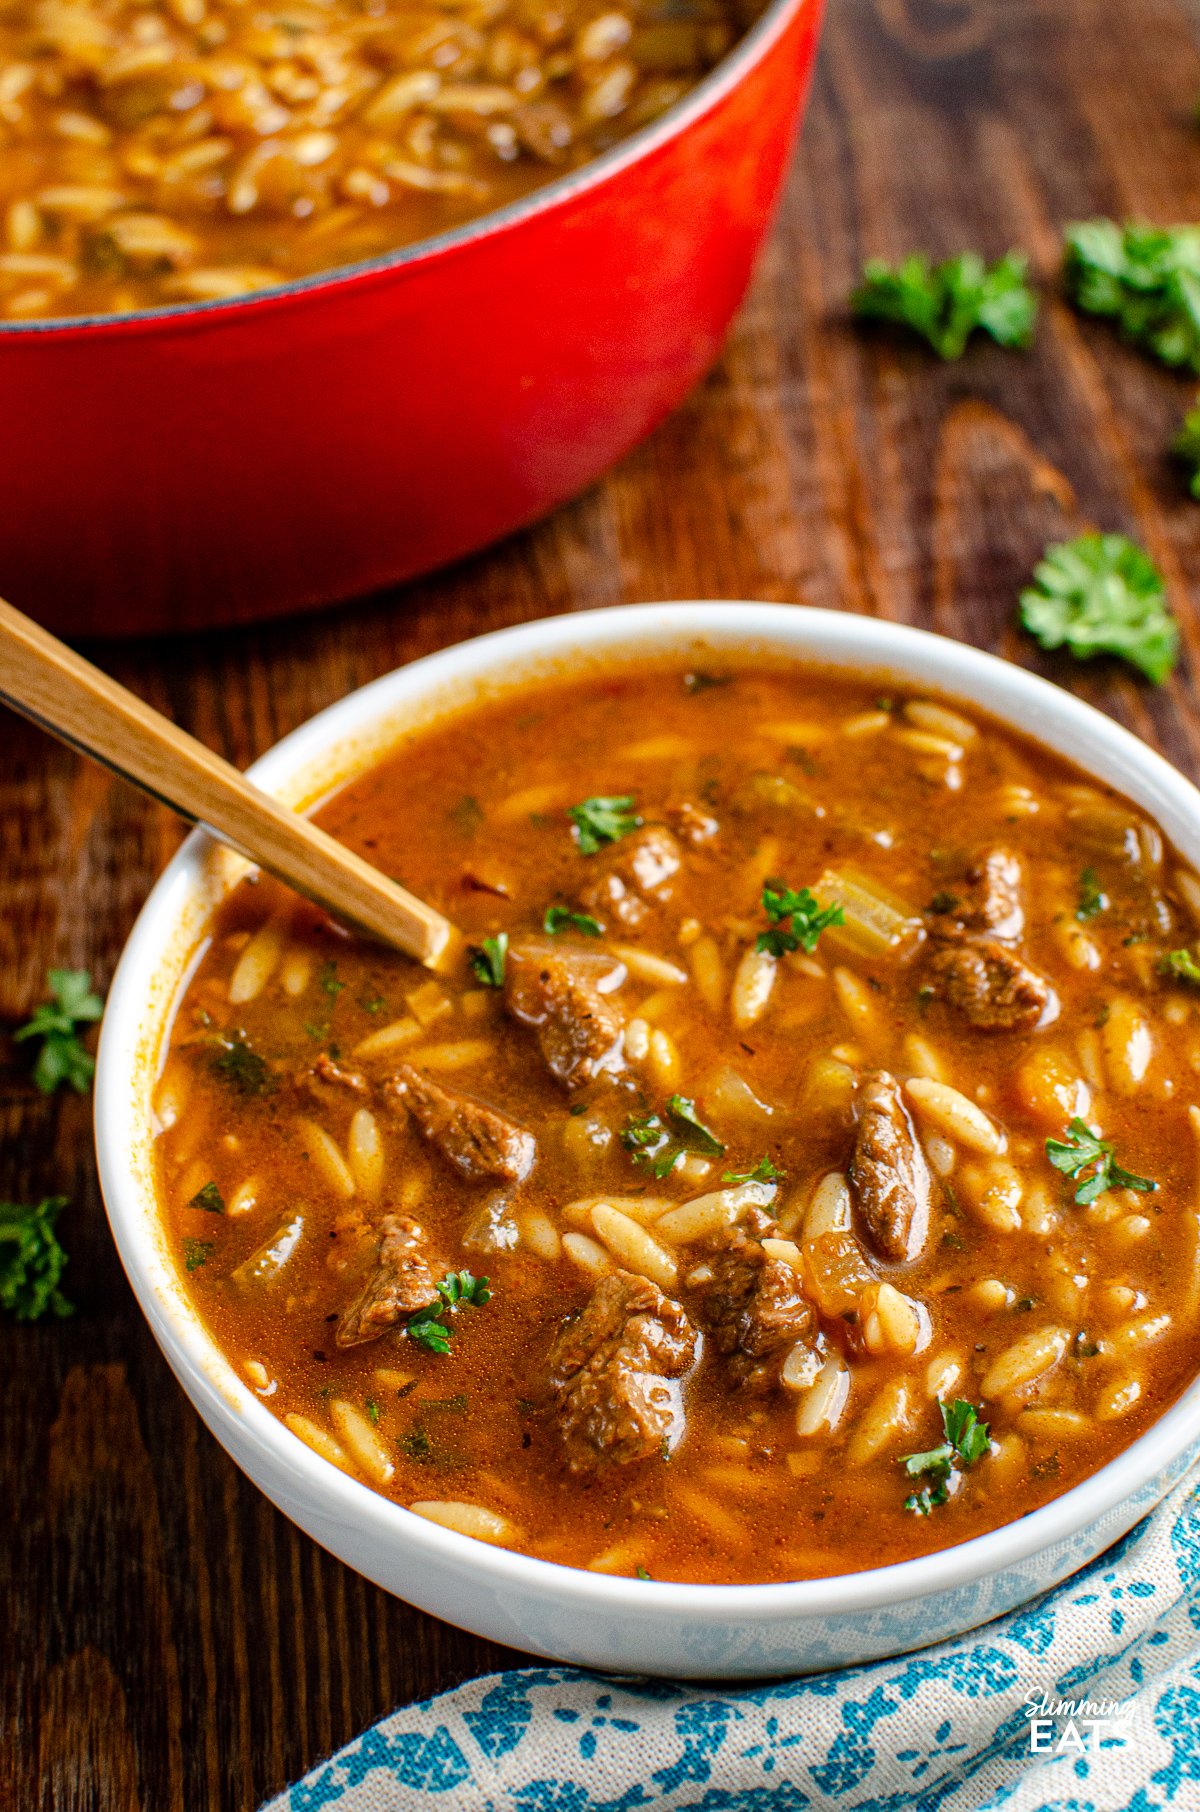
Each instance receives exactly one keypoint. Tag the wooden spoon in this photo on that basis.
(49, 683)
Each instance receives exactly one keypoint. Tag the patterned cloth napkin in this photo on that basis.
(1087, 1700)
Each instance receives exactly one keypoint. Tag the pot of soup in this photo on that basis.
(771, 1241)
(294, 305)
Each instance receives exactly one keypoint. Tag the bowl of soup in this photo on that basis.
(299, 302)
(771, 1241)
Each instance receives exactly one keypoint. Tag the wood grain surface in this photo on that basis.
(168, 1639)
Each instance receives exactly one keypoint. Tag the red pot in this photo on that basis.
(230, 460)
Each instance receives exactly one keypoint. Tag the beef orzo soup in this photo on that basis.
(796, 1173)
(190, 150)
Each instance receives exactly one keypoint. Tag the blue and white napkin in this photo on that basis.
(1087, 1700)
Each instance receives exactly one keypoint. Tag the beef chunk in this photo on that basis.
(754, 1308)
(987, 902)
(325, 1079)
(562, 994)
(477, 1140)
(399, 1285)
(635, 879)
(609, 1370)
(991, 987)
(888, 1172)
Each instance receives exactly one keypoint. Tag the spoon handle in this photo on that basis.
(55, 687)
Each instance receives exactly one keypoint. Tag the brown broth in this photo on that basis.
(478, 803)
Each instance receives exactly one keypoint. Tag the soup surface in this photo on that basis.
(815, 1094)
(188, 150)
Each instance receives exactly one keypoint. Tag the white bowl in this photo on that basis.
(569, 1615)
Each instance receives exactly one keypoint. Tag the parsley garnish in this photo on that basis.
(488, 960)
(31, 1259)
(602, 820)
(62, 1058)
(642, 1573)
(943, 903)
(1145, 278)
(700, 681)
(417, 1444)
(946, 303)
(1186, 447)
(650, 1139)
(327, 979)
(209, 1197)
(559, 918)
(966, 1441)
(237, 1063)
(372, 1409)
(1101, 594)
(455, 1289)
(1082, 1150)
(195, 1253)
(1182, 965)
(765, 1171)
(801, 911)
(1092, 897)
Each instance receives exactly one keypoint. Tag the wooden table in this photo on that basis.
(168, 1639)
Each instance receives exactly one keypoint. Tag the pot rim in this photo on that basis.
(720, 81)
(140, 1005)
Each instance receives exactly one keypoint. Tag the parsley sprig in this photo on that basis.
(1145, 278)
(1181, 965)
(489, 959)
(765, 1171)
(428, 1328)
(562, 918)
(966, 1441)
(797, 919)
(62, 1058)
(602, 819)
(1101, 594)
(660, 1143)
(946, 303)
(238, 1063)
(31, 1259)
(1082, 1151)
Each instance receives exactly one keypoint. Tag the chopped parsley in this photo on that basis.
(1082, 1151)
(210, 1198)
(966, 1441)
(1145, 278)
(195, 1253)
(561, 918)
(765, 1171)
(489, 958)
(1092, 897)
(797, 919)
(946, 303)
(327, 979)
(662, 1143)
(943, 903)
(239, 1064)
(31, 1259)
(1186, 447)
(642, 1573)
(372, 1409)
(601, 820)
(417, 1444)
(700, 681)
(62, 1058)
(1181, 965)
(427, 1328)
(1101, 594)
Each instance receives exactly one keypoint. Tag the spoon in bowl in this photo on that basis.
(56, 688)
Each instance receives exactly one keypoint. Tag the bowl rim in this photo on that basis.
(713, 88)
(1012, 695)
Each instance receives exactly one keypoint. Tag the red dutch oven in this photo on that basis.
(225, 461)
